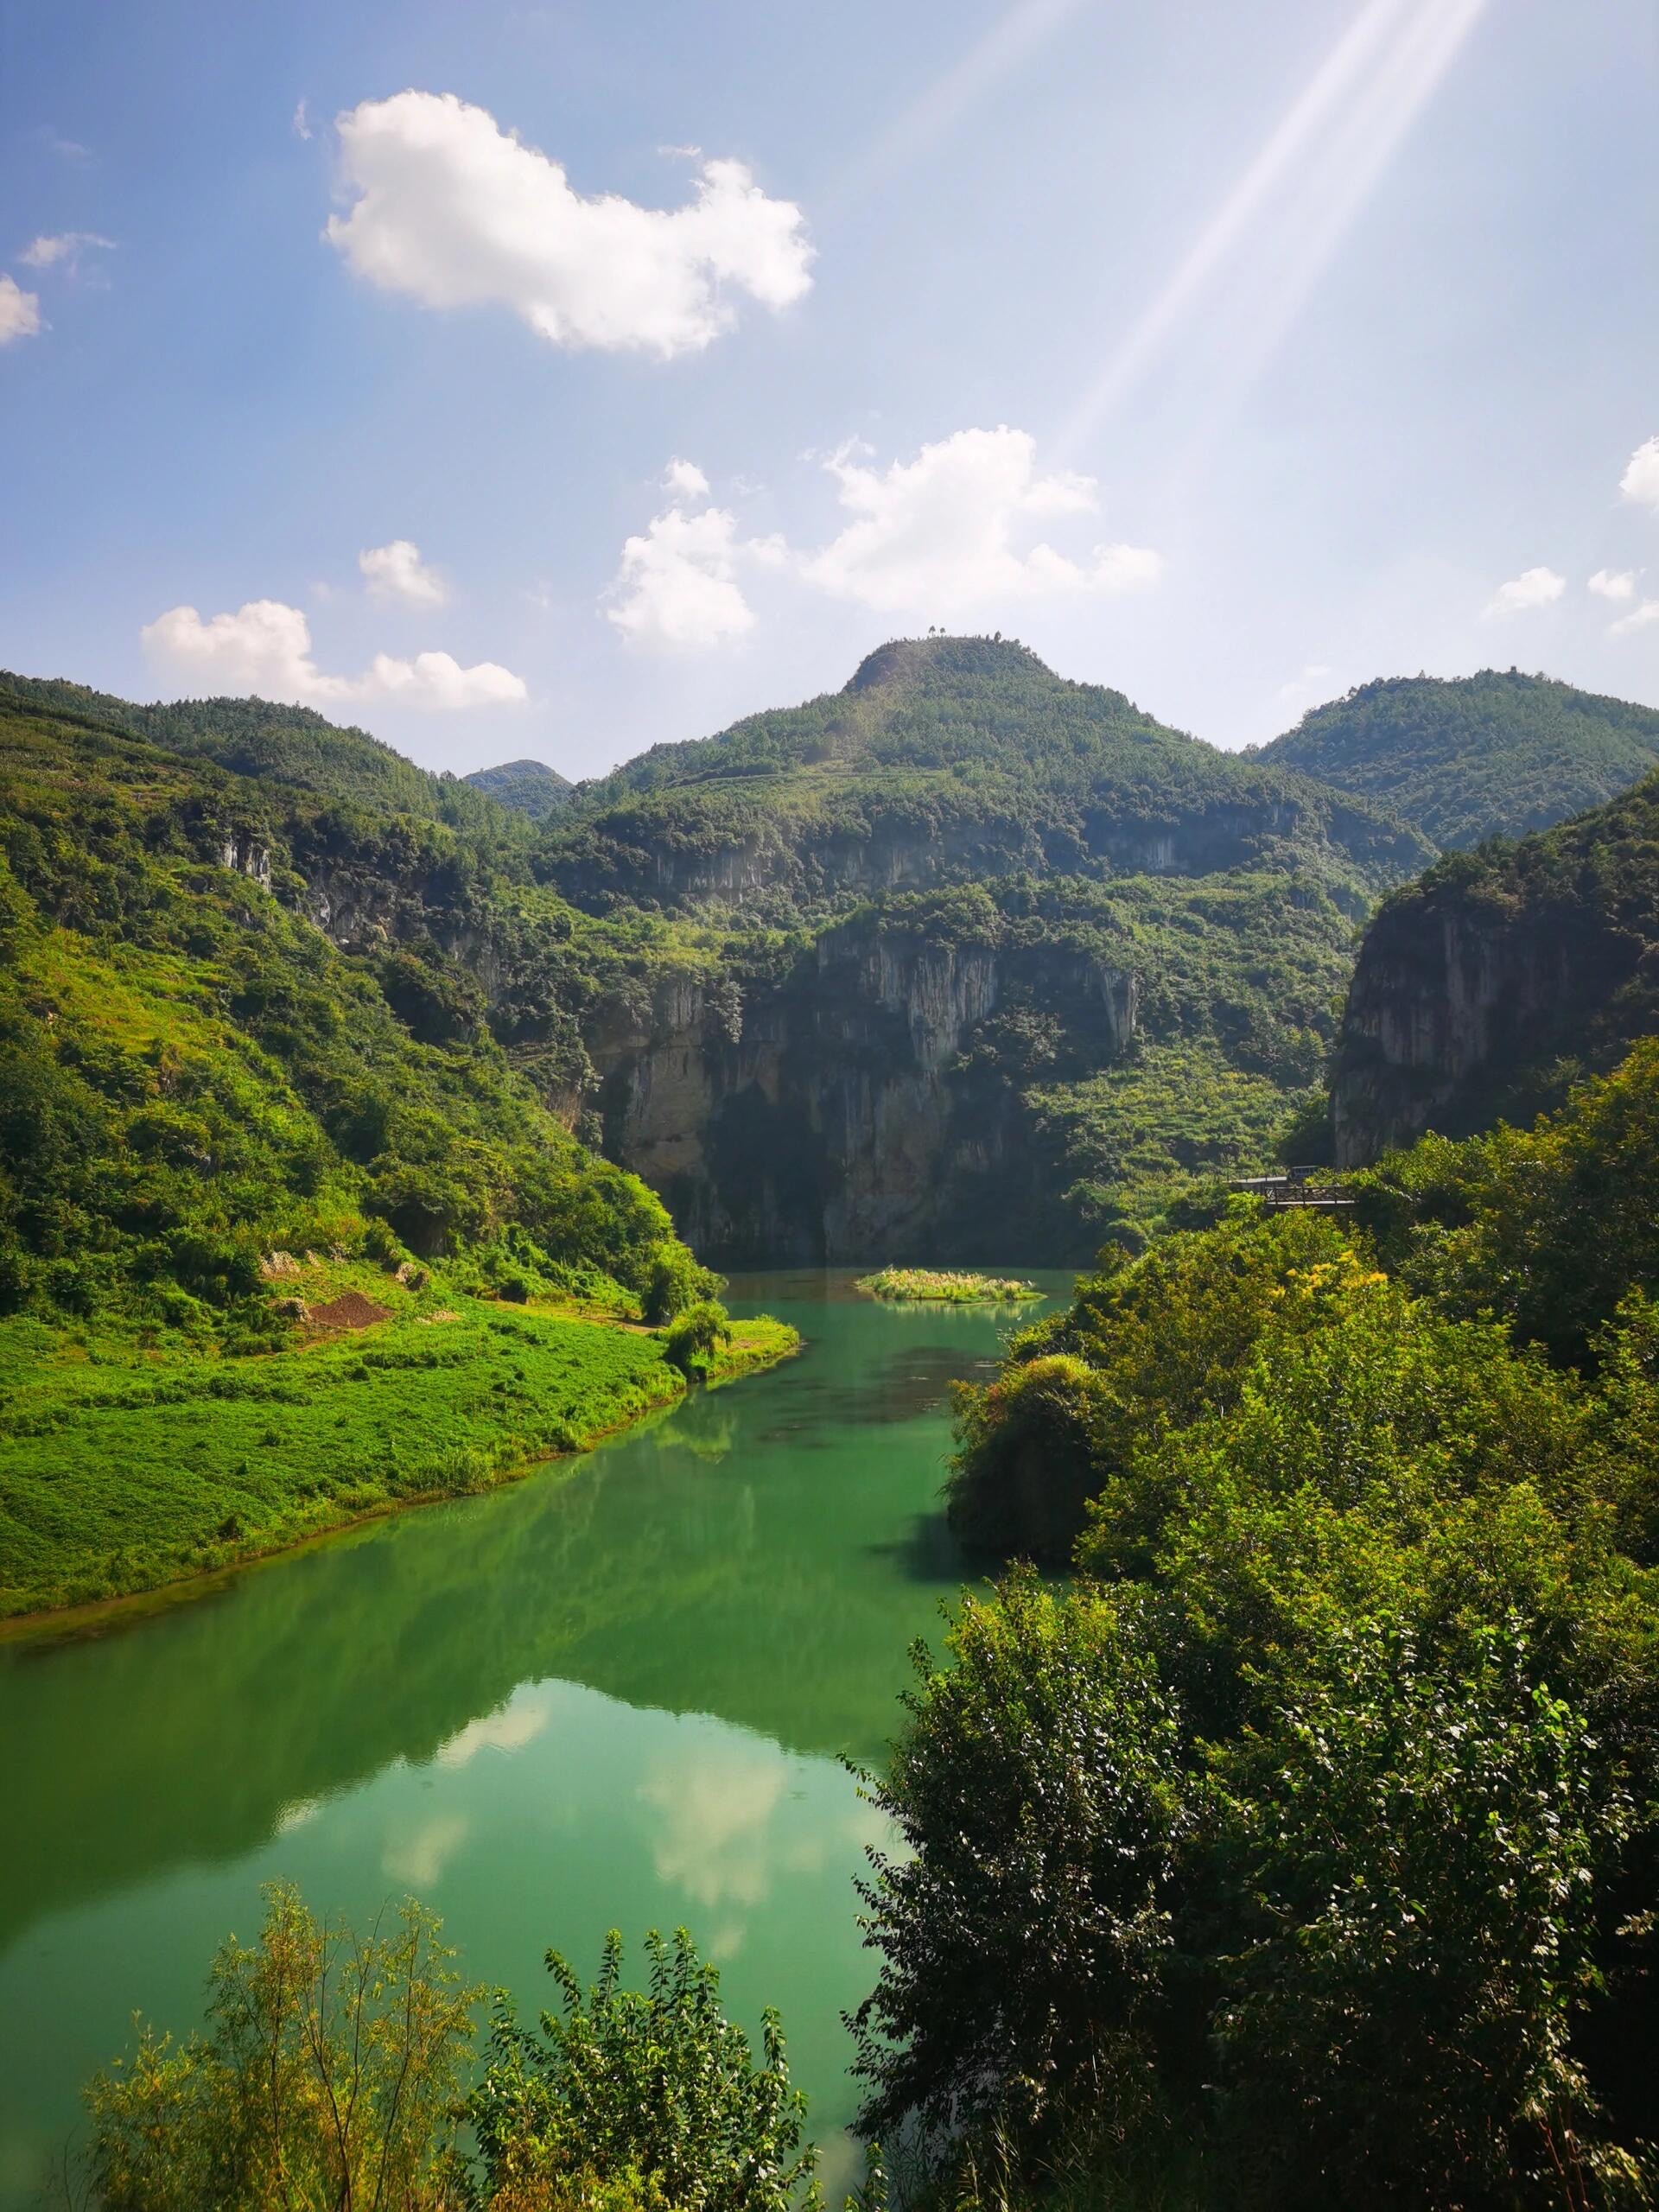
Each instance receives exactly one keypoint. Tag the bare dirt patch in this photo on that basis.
(351, 1310)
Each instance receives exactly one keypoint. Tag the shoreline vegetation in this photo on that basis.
(944, 1287)
(227, 1461)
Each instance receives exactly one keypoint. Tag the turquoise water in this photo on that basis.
(616, 1694)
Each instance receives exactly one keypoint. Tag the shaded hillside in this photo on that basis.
(1475, 756)
(529, 787)
(944, 761)
(1490, 984)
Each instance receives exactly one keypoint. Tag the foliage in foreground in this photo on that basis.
(655, 2083)
(335, 2068)
(331, 2075)
(1314, 1829)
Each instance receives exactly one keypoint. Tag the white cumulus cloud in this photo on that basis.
(1640, 482)
(397, 571)
(20, 311)
(677, 589)
(1533, 588)
(947, 532)
(265, 648)
(1640, 618)
(63, 245)
(1608, 583)
(453, 211)
(685, 481)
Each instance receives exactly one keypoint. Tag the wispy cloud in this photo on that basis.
(64, 248)
(1640, 482)
(20, 311)
(1531, 589)
(397, 572)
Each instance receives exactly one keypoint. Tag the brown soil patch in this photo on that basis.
(351, 1310)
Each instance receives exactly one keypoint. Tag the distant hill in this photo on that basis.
(523, 787)
(1486, 987)
(257, 738)
(1474, 757)
(944, 761)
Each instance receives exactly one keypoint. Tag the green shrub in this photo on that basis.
(692, 1337)
(654, 2089)
(674, 1280)
(330, 2074)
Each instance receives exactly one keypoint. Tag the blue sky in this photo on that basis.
(1227, 355)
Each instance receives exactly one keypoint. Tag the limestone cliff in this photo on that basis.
(1485, 988)
(839, 1113)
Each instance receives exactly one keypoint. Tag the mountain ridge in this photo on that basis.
(1466, 757)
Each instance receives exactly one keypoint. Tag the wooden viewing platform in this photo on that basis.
(1295, 1192)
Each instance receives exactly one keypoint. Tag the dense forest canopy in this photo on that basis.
(1472, 757)
(1298, 1851)
(523, 787)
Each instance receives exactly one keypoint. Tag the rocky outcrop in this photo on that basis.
(841, 1112)
(1485, 988)
(759, 862)
(1444, 1004)
(247, 855)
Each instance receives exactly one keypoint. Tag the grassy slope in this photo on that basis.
(1474, 756)
(219, 1459)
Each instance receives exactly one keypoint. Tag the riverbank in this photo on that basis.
(125, 1470)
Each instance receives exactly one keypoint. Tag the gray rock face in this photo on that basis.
(246, 855)
(841, 1116)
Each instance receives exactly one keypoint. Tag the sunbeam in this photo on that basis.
(1300, 194)
(1016, 34)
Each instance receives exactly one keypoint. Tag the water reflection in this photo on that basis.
(613, 1696)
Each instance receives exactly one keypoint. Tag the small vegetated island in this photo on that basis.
(944, 1287)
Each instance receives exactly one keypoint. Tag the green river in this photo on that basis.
(612, 1694)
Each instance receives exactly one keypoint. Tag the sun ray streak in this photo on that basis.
(1016, 34)
(1300, 194)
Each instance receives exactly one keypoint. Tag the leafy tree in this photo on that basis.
(1025, 1931)
(653, 2093)
(1151, 1344)
(1410, 1850)
(674, 1280)
(330, 2076)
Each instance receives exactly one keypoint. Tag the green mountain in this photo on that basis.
(961, 945)
(523, 787)
(1501, 977)
(1474, 757)
(947, 760)
(293, 745)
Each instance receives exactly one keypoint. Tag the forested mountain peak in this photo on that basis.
(911, 660)
(523, 787)
(1471, 757)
